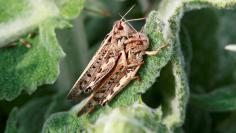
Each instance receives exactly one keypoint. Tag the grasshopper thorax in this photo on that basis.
(138, 42)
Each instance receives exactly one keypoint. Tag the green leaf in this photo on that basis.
(132, 119)
(137, 118)
(18, 18)
(223, 99)
(22, 68)
(70, 8)
(36, 111)
(59, 102)
(12, 124)
(210, 67)
(24, 120)
(61, 123)
(175, 103)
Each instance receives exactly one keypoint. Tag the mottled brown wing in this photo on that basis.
(124, 79)
(112, 80)
(107, 82)
(110, 83)
(101, 64)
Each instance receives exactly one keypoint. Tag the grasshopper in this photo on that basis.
(114, 65)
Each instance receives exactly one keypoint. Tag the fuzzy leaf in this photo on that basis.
(137, 118)
(61, 123)
(22, 68)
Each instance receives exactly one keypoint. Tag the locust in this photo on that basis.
(113, 66)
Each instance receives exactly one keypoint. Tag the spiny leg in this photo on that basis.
(123, 82)
(155, 52)
(137, 65)
(110, 82)
(123, 57)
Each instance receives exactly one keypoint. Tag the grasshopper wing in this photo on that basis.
(100, 65)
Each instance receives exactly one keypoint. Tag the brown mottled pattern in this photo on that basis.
(114, 65)
(107, 86)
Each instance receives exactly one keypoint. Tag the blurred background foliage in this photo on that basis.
(210, 69)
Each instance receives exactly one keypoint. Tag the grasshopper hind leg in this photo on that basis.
(124, 81)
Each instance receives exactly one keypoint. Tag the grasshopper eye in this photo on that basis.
(120, 27)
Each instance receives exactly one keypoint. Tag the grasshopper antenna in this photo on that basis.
(136, 19)
(128, 11)
(127, 21)
(122, 17)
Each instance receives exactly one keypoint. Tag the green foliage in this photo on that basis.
(24, 120)
(136, 118)
(22, 68)
(222, 99)
(193, 69)
(61, 123)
